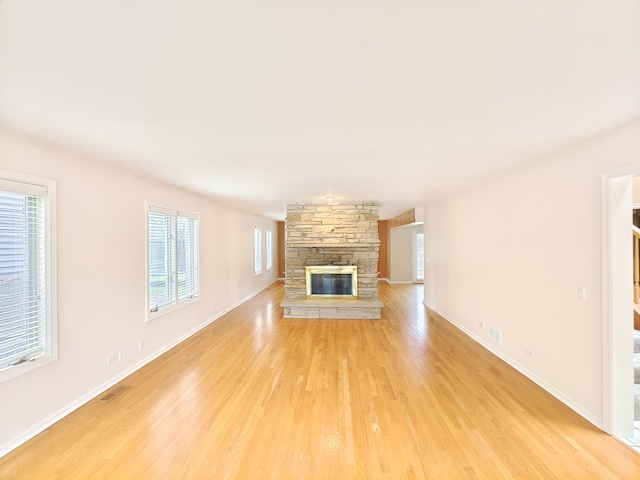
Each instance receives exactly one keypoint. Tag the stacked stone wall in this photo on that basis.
(334, 233)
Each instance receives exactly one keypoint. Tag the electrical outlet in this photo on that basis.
(495, 334)
(120, 354)
(112, 359)
(140, 344)
(529, 352)
(582, 293)
(481, 324)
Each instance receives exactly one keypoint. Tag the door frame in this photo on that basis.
(617, 300)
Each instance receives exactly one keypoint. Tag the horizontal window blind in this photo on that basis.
(173, 257)
(187, 257)
(23, 273)
(161, 260)
(269, 247)
(257, 249)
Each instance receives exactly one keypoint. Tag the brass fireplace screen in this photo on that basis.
(332, 281)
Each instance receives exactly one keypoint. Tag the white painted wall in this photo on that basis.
(512, 252)
(401, 248)
(402, 254)
(101, 280)
(636, 190)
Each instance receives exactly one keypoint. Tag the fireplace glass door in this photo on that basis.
(332, 281)
(331, 284)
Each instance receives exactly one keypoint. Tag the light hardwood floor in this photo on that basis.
(257, 396)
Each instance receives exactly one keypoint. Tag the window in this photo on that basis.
(269, 242)
(419, 256)
(257, 249)
(173, 258)
(28, 336)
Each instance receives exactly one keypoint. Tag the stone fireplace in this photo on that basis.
(340, 238)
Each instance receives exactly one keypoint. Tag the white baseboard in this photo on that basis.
(66, 410)
(579, 409)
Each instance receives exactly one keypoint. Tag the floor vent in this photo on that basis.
(109, 396)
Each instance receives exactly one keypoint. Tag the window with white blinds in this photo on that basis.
(257, 249)
(269, 248)
(173, 258)
(419, 261)
(27, 315)
(187, 253)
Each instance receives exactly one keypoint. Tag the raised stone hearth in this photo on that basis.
(333, 233)
(332, 308)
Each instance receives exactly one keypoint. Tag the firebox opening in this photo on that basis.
(331, 284)
(332, 281)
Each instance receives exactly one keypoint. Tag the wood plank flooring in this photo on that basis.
(256, 396)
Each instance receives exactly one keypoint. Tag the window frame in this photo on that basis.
(32, 185)
(269, 248)
(257, 250)
(418, 261)
(176, 300)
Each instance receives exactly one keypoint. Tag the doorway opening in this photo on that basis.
(617, 301)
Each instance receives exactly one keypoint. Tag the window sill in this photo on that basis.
(9, 373)
(172, 308)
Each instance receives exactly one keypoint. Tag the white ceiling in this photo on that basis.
(261, 103)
